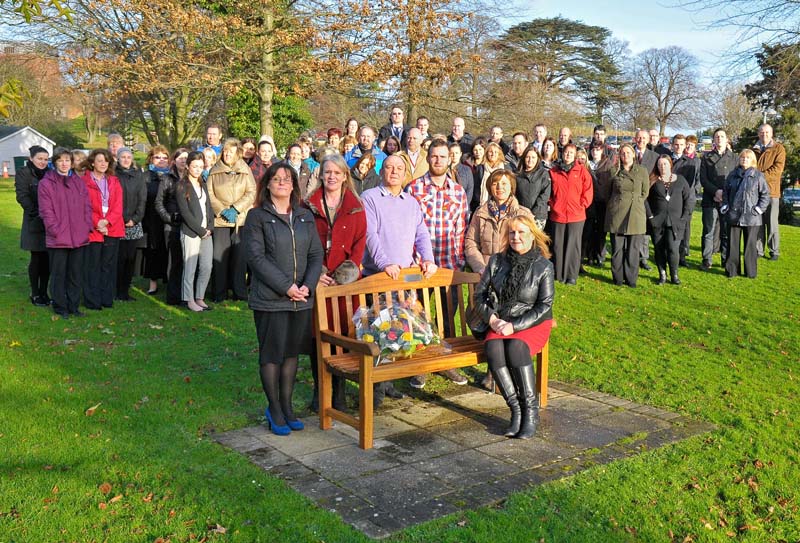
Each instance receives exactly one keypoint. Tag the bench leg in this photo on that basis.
(542, 360)
(325, 383)
(365, 419)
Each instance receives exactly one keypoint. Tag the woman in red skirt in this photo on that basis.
(515, 296)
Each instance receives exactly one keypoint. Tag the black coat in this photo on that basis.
(672, 213)
(533, 191)
(26, 185)
(465, 143)
(534, 302)
(134, 194)
(280, 254)
(386, 131)
(165, 203)
(689, 168)
(714, 170)
(189, 208)
(370, 181)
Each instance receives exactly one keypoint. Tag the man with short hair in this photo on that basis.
(599, 140)
(115, 143)
(444, 207)
(519, 143)
(459, 135)
(714, 169)
(213, 139)
(423, 124)
(646, 158)
(496, 136)
(395, 127)
(771, 157)
(539, 135)
(396, 230)
(415, 156)
(653, 139)
(366, 144)
(564, 139)
(687, 166)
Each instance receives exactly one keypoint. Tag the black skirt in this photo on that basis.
(282, 334)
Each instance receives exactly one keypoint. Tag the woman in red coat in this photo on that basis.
(342, 227)
(571, 193)
(100, 256)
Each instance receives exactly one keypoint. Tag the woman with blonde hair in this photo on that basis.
(745, 197)
(495, 160)
(515, 297)
(232, 191)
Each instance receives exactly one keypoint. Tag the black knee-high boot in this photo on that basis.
(504, 381)
(527, 390)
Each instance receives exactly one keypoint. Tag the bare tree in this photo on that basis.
(732, 110)
(668, 79)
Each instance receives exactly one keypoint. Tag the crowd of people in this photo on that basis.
(233, 215)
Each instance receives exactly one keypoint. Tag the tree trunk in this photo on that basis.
(265, 90)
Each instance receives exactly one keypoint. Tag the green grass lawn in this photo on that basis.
(143, 465)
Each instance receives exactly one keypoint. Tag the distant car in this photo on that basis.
(663, 140)
(627, 139)
(792, 197)
(706, 140)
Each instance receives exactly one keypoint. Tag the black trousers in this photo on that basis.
(66, 266)
(39, 272)
(666, 245)
(595, 235)
(126, 260)
(230, 265)
(175, 269)
(567, 249)
(625, 252)
(686, 235)
(733, 265)
(100, 273)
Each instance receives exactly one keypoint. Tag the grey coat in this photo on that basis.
(745, 197)
(32, 236)
(625, 211)
(280, 254)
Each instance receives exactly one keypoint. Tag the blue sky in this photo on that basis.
(647, 24)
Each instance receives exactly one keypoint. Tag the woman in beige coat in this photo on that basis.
(488, 228)
(232, 191)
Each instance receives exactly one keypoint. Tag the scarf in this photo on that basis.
(38, 172)
(497, 211)
(153, 168)
(564, 166)
(520, 264)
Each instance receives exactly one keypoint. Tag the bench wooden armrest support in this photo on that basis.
(338, 351)
(349, 343)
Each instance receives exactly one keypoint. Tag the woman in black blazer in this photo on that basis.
(194, 206)
(670, 203)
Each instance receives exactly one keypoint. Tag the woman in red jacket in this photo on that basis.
(342, 227)
(571, 193)
(100, 257)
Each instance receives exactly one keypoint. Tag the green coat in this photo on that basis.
(625, 212)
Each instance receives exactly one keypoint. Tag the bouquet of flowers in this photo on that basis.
(399, 328)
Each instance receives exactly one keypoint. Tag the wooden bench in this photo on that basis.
(340, 353)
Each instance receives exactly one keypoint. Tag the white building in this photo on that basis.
(15, 142)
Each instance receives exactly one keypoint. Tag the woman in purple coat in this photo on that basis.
(67, 215)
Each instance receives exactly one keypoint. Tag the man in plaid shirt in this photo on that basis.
(444, 207)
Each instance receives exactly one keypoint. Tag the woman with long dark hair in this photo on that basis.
(533, 185)
(32, 235)
(671, 201)
(196, 230)
(285, 256)
(155, 253)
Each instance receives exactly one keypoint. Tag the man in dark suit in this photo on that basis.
(647, 158)
(395, 127)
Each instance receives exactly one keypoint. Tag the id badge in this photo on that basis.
(667, 197)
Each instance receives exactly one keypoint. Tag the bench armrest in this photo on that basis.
(353, 345)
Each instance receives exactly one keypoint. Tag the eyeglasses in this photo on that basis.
(160, 157)
(282, 180)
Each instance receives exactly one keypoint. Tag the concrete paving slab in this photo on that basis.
(437, 455)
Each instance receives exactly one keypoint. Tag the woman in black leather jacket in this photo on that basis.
(515, 296)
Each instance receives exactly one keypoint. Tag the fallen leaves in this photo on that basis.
(217, 529)
(89, 412)
(105, 488)
(15, 343)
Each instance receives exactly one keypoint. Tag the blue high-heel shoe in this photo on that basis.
(276, 429)
(295, 424)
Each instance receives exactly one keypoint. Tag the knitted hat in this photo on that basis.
(123, 150)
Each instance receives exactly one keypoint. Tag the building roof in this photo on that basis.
(9, 131)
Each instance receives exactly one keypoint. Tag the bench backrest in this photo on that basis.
(347, 298)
